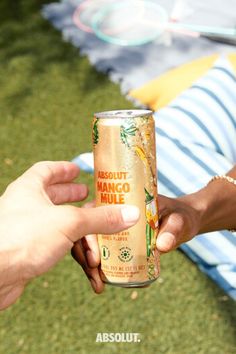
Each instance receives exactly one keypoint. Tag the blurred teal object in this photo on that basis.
(132, 23)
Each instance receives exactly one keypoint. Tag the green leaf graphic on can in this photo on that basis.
(127, 130)
(152, 220)
(95, 132)
(149, 233)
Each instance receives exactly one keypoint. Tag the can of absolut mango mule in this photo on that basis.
(125, 173)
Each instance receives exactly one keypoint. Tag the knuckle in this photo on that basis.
(80, 218)
(38, 166)
(42, 170)
(112, 218)
(80, 223)
(177, 220)
(52, 194)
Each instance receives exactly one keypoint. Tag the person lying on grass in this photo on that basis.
(36, 230)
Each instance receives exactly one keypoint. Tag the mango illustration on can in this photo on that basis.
(125, 173)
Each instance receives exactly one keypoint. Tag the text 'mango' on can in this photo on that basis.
(125, 173)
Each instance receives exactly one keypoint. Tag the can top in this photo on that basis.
(124, 113)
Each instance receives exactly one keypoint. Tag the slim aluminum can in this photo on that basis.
(125, 173)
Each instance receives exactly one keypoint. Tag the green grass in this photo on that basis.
(47, 98)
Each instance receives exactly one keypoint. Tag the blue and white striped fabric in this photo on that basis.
(196, 139)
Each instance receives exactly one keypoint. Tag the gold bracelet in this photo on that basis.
(228, 179)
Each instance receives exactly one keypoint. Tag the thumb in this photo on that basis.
(170, 233)
(79, 222)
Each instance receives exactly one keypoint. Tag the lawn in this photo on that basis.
(47, 99)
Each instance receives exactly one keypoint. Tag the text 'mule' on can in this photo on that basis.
(125, 173)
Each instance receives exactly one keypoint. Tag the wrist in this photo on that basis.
(199, 202)
(215, 204)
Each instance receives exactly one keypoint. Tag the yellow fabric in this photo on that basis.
(232, 59)
(162, 90)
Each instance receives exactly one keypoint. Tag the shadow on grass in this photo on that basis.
(25, 34)
(18, 10)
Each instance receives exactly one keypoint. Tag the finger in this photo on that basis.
(90, 243)
(50, 172)
(67, 192)
(164, 204)
(171, 232)
(96, 281)
(90, 204)
(91, 248)
(78, 222)
(91, 273)
(78, 254)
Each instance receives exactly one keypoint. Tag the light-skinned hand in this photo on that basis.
(36, 231)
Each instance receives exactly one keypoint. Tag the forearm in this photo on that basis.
(216, 204)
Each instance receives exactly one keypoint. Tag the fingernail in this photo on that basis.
(165, 242)
(130, 214)
(91, 259)
(84, 189)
